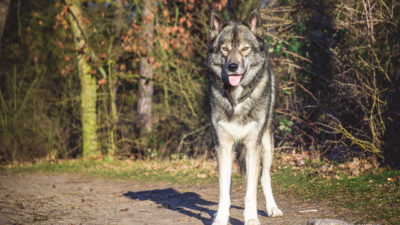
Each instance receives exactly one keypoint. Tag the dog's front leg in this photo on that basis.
(267, 155)
(224, 157)
(253, 155)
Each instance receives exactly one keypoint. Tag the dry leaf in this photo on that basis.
(102, 81)
(201, 175)
(394, 178)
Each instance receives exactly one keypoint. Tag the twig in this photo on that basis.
(307, 91)
(284, 147)
(308, 210)
(188, 134)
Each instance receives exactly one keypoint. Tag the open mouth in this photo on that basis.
(234, 79)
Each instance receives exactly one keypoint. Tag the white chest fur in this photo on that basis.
(238, 131)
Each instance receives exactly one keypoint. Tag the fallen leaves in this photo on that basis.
(359, 166)
(326, 169)
(201, 175)
(102, 81)
(393, 178)
(200, 169)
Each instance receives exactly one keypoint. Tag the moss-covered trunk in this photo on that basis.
(87, 80)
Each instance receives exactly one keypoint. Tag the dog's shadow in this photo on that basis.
(187, 203)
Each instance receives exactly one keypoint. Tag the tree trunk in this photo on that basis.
(146, 71)
(113, 80)
(4, 6)
(88, 82)
(113, 116)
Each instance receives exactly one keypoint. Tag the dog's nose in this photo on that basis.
(233, 67)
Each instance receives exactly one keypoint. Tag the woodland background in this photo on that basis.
(118, 79)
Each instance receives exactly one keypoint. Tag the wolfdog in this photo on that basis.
(242, 95)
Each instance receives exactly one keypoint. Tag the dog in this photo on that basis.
(242, 97)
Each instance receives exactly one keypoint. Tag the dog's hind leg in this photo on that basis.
(253, 153)
(267, 155)
(225, 155)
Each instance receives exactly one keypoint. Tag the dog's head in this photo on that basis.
(236, 50)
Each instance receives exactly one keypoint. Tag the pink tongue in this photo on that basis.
(235, 80)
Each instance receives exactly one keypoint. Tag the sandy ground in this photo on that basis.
(35, 198)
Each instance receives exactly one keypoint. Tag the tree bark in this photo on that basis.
(112, 79)
(144, 107)
(4, 7)
(88, 82)
(112, 87)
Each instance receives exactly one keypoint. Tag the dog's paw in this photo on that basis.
(274, 212)
(252, 222)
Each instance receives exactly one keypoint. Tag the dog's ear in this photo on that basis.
(216, 24)
(253, 21)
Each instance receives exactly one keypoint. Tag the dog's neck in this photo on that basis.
(236, 93)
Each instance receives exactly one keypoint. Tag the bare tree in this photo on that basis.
(113, 82)
(144, 107)
(4, 6)
(88, 81)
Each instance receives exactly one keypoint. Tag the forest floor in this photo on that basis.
(47, 196)
(37, 198)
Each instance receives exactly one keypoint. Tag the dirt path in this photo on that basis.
(71, 199)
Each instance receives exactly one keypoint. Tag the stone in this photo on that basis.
(327, 222)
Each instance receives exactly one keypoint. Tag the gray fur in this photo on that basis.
(259, 75)
(242, 113)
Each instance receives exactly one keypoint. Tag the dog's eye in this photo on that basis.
(225, 49)
(245, 49)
